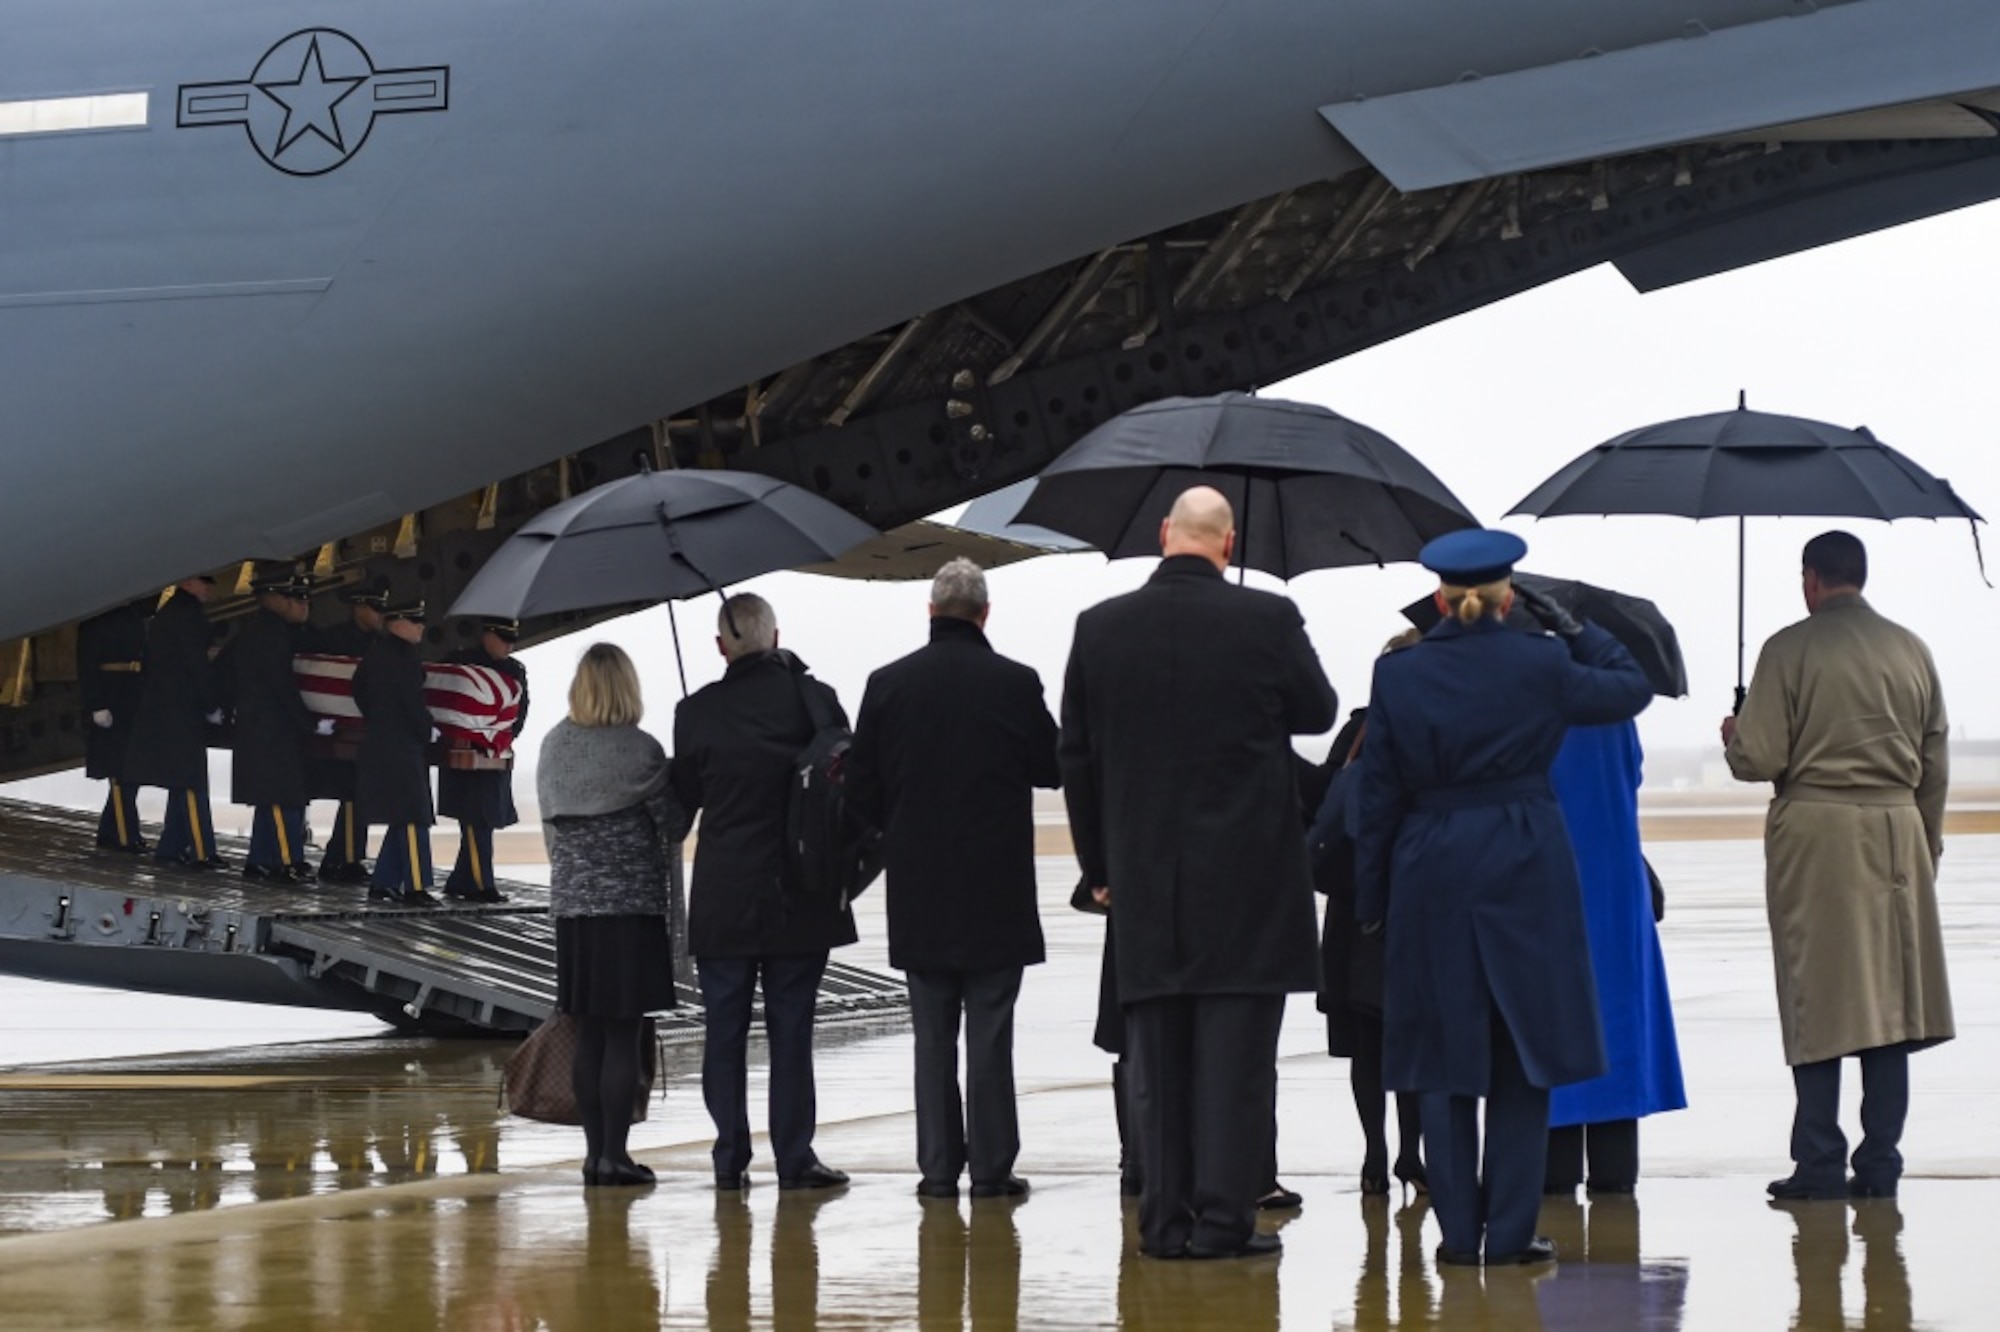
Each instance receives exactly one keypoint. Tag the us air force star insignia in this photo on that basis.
(311, 101)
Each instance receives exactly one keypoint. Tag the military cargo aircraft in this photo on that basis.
(367, 284)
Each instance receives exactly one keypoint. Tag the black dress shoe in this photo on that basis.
(938, 1188)
(1621, 1189)
(300, 874)
(263, 873)
(728, 1183)
(818, 1175)
(1282, 1199)
(1457, 1257)
(1859, 1188)
(1257, 1246)
(418, 897)
(377, 893)
(1540, 1250)
(1011, 1187)
(1793, 1189)
(350, 873)
(623, 1175)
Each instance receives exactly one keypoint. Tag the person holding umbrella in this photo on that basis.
(1845, 717)
(1462, 859)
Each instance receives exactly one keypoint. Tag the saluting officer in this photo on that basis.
(178, 700)
(273, 727)
(482, 800)
(392, 777)
(110, 651)
(1462, 851)
(333, 778)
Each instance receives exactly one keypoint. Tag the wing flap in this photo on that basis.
(1857, 57)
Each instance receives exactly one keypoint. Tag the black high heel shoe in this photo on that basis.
(1410, 1174)
(1374, 1174)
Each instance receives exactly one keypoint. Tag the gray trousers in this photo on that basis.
(981, 1130)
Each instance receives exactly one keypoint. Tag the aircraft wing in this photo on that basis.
(1871, 70)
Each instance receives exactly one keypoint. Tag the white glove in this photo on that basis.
(324, 726)
(436, 735)
(102, 717)
(215, 717)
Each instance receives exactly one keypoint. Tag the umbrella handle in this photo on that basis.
(1741, 694)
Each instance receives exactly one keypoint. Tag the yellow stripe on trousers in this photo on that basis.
(414, 885)
(284, 842)
(194, 827)
(472, 844)
(118, 815)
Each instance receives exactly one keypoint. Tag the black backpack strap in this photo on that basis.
(817, 711)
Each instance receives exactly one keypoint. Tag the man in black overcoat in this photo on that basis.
(482, 799)
(1178, 711)
(178, 701)
(110, 656)
(735, 743)
(273, 728)
(329, 778)
(392, 772)
(951, 742)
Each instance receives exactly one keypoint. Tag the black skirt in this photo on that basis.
(613, 966)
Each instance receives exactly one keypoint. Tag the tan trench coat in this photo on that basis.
(1846, 718)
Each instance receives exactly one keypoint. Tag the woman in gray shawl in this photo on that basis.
(613, 831)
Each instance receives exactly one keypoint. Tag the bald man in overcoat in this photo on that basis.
(1178, 710)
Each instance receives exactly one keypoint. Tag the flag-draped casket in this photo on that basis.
(474, 707)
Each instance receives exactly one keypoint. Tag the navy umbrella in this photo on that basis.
(658, 536)
(1634, 621)
(1311, 489)
(1747, 464)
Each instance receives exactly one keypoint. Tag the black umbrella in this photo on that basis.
(1311, 489)
(658, 536)
(1633, 621)
(1747, 464)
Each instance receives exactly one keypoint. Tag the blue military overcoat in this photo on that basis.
(1596, 778)
(1462, 851)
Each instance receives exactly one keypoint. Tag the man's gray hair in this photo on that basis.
(746, 625)
(959, 590)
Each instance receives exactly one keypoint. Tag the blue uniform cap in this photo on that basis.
(1472, 556)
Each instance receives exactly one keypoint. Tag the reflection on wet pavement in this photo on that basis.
(531, 1252)
(376, 1184)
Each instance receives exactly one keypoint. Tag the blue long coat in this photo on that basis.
(1596, 778)
(1463, 851)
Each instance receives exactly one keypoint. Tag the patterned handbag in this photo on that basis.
(536, 1081)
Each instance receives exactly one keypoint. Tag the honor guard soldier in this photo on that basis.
(178, 700)
(333, 778)
(110, 651)
(273, 727)
(392, 777)
(482, 800)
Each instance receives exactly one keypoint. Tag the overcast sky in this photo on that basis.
(1892, 331)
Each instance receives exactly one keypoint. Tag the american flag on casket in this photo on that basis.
(472, 705)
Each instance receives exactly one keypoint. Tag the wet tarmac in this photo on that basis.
(374, 1183)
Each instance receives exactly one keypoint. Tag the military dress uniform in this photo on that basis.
(169, 746)
(273, 730)
(111, 650)
(1463, 861)
(482, 799)
(392, 774)
(329, 778)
